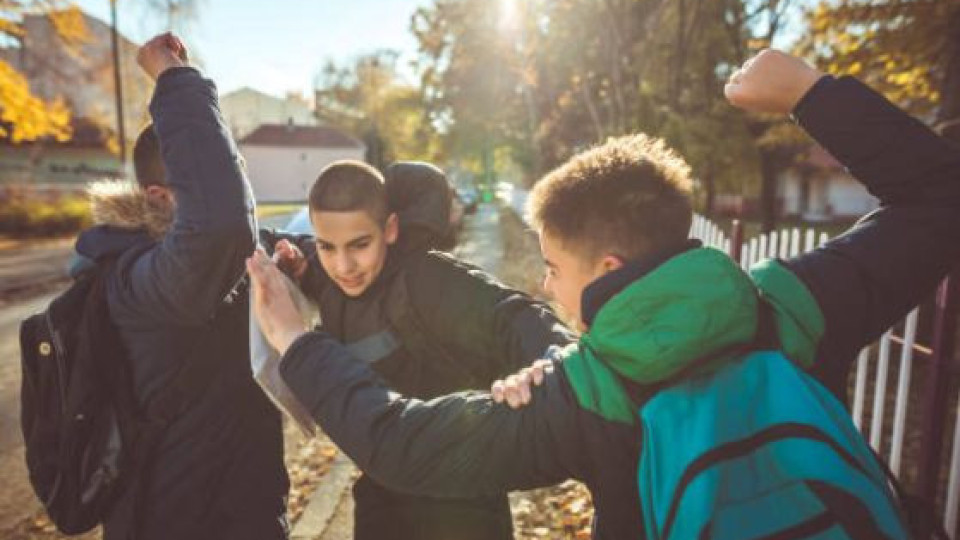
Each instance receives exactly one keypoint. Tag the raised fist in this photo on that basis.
(161, 53)
(771, 82)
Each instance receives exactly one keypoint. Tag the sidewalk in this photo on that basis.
(29, 267)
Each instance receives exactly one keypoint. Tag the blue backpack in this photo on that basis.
(781, 460)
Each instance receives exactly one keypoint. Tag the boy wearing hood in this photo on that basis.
(613, 223)
(426, 322)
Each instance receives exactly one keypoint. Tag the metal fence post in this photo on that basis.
(936, 393)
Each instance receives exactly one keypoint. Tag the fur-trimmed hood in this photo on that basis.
(124, 205)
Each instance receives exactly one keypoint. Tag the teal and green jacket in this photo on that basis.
(690, 314)
(685, 312)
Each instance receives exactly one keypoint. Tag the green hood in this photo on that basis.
(695, 305)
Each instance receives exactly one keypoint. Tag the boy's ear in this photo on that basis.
(391, 230)
(159, 194)
(609, 263)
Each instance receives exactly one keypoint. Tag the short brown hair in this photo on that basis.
(147, 161)
(628, 197)
(349, 185)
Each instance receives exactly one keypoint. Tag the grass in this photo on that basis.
(31, 218)
(275, 209)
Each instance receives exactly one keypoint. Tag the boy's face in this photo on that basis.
(568, 274)
(352, 247)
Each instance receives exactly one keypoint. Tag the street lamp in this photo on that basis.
(117, 81)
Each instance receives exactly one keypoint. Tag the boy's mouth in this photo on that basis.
(351, 283)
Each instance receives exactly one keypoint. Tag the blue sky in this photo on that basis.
(279, 45)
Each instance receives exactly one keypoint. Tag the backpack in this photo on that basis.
(782, 459)
(86, 437)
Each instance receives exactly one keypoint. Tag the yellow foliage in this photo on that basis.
(30, 117)
(69, 25)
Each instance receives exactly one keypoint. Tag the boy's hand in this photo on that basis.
(161, 53)
(515, 389)
(278, 316)
(290, 259)
(771, 82)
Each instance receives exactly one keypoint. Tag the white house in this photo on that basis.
(246, 109)
(283, 160)
(820, 189)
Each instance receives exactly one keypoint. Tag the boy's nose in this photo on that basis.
(345, 265)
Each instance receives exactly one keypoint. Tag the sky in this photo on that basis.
(279, 45)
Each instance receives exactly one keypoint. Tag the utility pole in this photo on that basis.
(117, 81)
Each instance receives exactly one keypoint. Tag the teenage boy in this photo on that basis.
(180, 236)
(613, 224)
(424, 321)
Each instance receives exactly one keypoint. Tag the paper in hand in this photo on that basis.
(265, 361)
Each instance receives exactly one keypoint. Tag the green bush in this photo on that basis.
(39, 218)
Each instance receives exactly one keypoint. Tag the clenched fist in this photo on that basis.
(162, 53)
(771, 82)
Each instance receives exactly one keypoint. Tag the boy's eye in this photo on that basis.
(361, 245)
(325, 247)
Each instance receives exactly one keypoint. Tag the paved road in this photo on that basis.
(480, 241)
(28, 265)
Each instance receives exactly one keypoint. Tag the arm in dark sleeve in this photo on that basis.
(201, 258)
(455, 446)
(314, 280)
(870, 277)
(470, 310)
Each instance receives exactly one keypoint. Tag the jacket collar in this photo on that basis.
(601, 290)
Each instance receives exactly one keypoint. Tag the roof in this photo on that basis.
(285, 135)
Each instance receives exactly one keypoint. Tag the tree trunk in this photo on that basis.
(710, 189)
(768, 190)
(949, 116)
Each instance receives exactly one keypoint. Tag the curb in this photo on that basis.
(324, 501)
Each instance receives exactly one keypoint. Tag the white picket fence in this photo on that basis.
(788, 243)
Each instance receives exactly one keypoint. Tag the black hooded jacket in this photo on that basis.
(175, 295)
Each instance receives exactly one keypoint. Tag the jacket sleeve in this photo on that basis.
(469, 310)
(870, 277)
(455, 446)
(201, 258)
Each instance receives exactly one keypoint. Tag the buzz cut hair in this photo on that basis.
(347, 186)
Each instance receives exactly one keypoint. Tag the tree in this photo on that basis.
(23, 115)
(909, 50)
(368, 98)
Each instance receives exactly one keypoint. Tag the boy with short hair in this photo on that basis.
(658, 309)
(424, 321)
(179, 236)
